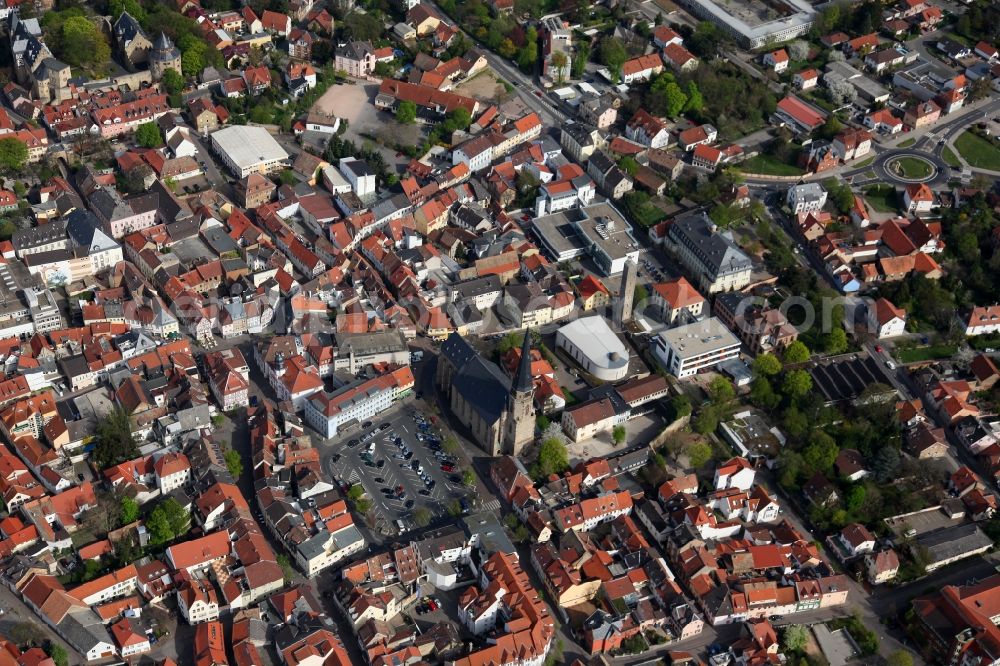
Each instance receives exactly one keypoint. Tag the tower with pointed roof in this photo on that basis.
(131, 42)
(519, 421)
(163, 56)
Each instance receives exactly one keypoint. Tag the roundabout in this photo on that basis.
(905, 166)
(911, 168)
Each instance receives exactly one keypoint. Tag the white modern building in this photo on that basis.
(594, 346)
(356, 402)
(246, 150)
(687, 350)
(598, 230)
(783, 22)
(360, 176)
(806, 198)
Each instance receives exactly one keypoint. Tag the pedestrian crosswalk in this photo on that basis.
(353, 477)
(492, 505)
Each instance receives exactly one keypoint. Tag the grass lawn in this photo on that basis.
(927, 353)
(864, 163)
(882, 198)
(769, 166)
(913, 168)
(978, 152)
(949, 157)
(907, 143)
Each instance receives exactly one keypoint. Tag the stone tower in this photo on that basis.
(164, 56)
(626, 295)
(519, 421)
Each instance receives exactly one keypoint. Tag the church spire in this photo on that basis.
(522, 380)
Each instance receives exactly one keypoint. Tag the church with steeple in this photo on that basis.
(498, 411)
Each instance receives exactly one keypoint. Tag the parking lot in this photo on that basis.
(394, 460)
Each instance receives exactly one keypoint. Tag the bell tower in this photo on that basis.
(519, 421)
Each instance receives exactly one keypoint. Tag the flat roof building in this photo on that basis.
(687, 350)
(594, 346)
(246, 150)
(756, 24)
(599, 231)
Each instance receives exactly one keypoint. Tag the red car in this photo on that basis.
(447, 468)
(878, 348)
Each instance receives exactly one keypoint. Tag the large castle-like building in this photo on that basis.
(500, 413)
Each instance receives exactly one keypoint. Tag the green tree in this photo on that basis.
(177, 516)
(854, 499)
(262, 114)
(707, 420)
(831, 128)
(172, 81)
(422, 517)
(468, 478)
(552, 457)
(355, 492)
(129, 510)
(628, 164)
(675, 99)
(762, 393)
(528, 55)
(613, 55)
(148, 135)
(159, 527)
(459, 119)
(114, 441)
(362, 27)
(767, 365)
(695, 101)
(450, 445)
(116, 7)
(797, 352)
(681, 404)
(900, 658)
(885, 465)
(193, 58)
(61, 657)
(794, 638)
(721, 390)
(699, 454)
(559, 61)
(796, 384)
(81, 43)
(795, 422)
(835, 342)
(618, 434)
(507, 48)
(406, 112)
(234, 463)
(286, 567)
(580, 59)
(455, 509)
(13, 154)
(821, 452)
